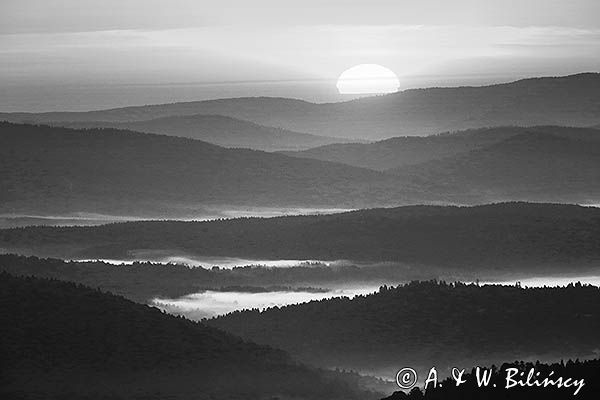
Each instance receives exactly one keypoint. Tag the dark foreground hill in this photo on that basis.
(59, 340)
(429, 323)
(219, 130)
(569, 100)
(534, 166)
(402, 151)
(520, 237)
(52, 169)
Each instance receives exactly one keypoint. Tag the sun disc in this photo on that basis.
(368, 79)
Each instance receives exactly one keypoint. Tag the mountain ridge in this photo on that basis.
(217, 129)
(567, 100)
(504, 236)
(130, 169)
(529, 165)
(401, 151)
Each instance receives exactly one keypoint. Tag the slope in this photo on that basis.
(60, 340)
(219, 130)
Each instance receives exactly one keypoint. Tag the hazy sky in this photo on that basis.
(79, 54)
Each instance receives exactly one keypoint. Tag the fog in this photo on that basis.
(75, 219)
(212, 303)
(175, 257)
(16, 220)
(541, 281)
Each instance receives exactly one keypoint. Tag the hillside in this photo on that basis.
(60, 340)
(52, 169)
(569, 100)
(219, 130)
(402, 151)
(429, 323)
(507, 237)
(63, 171)
(535, 165)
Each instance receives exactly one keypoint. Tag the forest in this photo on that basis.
(143, 281)
(112, 171)
(62, 340)
(55, 333)
(418, 322)
(507, 237)
(271, 200)
(401, 151)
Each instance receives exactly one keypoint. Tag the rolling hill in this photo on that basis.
(61, 340)
(534, 165)
(508, 237)
(409, 150)
(219, 130)
(429, 323)
(55, 169)
(569, 100)
(63, 171)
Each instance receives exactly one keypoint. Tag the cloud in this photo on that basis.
(226, 53)
(43, 16)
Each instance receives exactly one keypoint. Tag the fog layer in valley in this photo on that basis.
(16, 220)
(211, 303)
(173, 257)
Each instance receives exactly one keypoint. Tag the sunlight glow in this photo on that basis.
(368, 79)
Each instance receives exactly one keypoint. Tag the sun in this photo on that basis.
(368, 79)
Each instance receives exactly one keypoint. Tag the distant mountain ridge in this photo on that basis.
(542, 163)
(56, 169)
(529, 165)
(402, 151)
(572, 100)
(219, 130)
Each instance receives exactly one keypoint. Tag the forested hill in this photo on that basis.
(508, 236)
(220, 130)
(430, 323)
(532, 165)
(144, 281)
(546, 163)
(52, 169)
(60, 340)
(61, 171)
(413, 150)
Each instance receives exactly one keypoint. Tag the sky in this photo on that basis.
(83, 54)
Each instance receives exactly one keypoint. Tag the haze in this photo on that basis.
(80, 55)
